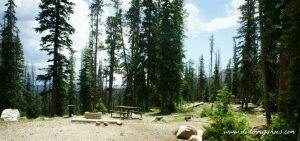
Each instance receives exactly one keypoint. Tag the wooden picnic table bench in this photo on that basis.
(126, 112)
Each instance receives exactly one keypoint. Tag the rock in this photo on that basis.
(119, 123)
(186, 131)
(258, 109)
(105, 123)
(98, 123)
(195, 138)
(201, 103)
(188, 117)
(10, 115)
(157, 118)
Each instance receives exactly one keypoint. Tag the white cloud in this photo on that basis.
(80, 21)
(26, 12)
(196, 25)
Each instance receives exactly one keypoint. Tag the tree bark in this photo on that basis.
(282, 83)
(55, 92)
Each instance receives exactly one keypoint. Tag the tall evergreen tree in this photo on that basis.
(86, 80)
(96, 10)
(150, 27)
(291, 45)
(270, 34)
(171, 53)
(137, 65)
(100, 80)
(228, 75)
(12, 61)
(114, 44)
(248, 45)
(202, 81)
(71, 79)
(235, 70)
(188, 90)
(53, 19)
(216, 84)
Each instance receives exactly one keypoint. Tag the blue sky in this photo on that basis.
(211, 17)
(205, 17)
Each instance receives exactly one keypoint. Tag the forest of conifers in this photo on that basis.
(264, 69)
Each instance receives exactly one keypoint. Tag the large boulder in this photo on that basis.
(185, 132)
(10, 115)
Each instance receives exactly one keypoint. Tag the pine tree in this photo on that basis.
(12, 61)
(137, 64)
(188, 89)
(150, 27)
(270, 34)
(235, 70)
(32, 101)
(211, 51)
(216, 85)
(100, 80)
(291, 45)
(96, 10)
(248, 45)
(53, 19)
(114, 44)
(202, 81)
(171, 53)
(71, 79)
(86, 80)
(228, 76)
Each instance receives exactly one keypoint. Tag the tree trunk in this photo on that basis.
(266, 78)
(282, 83)
(55, 108)
(111, 77)
(265, 65)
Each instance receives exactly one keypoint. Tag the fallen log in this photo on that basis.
(118, 122)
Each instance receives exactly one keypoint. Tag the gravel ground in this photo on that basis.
(61, 129)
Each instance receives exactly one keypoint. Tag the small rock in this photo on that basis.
(157, 118)
(10, 115)
(105, 123)
(188, 117)
(119, 123)
(98, 123)
(185, 132)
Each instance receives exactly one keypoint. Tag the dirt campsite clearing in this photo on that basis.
(62, 129)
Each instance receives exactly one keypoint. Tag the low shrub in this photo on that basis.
(182, 107)
(207, 112)
(227, 125)
(284, 129)
(101, 108)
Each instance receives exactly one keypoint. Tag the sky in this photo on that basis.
(204, 18)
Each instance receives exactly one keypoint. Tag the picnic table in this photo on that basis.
(126, 111)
